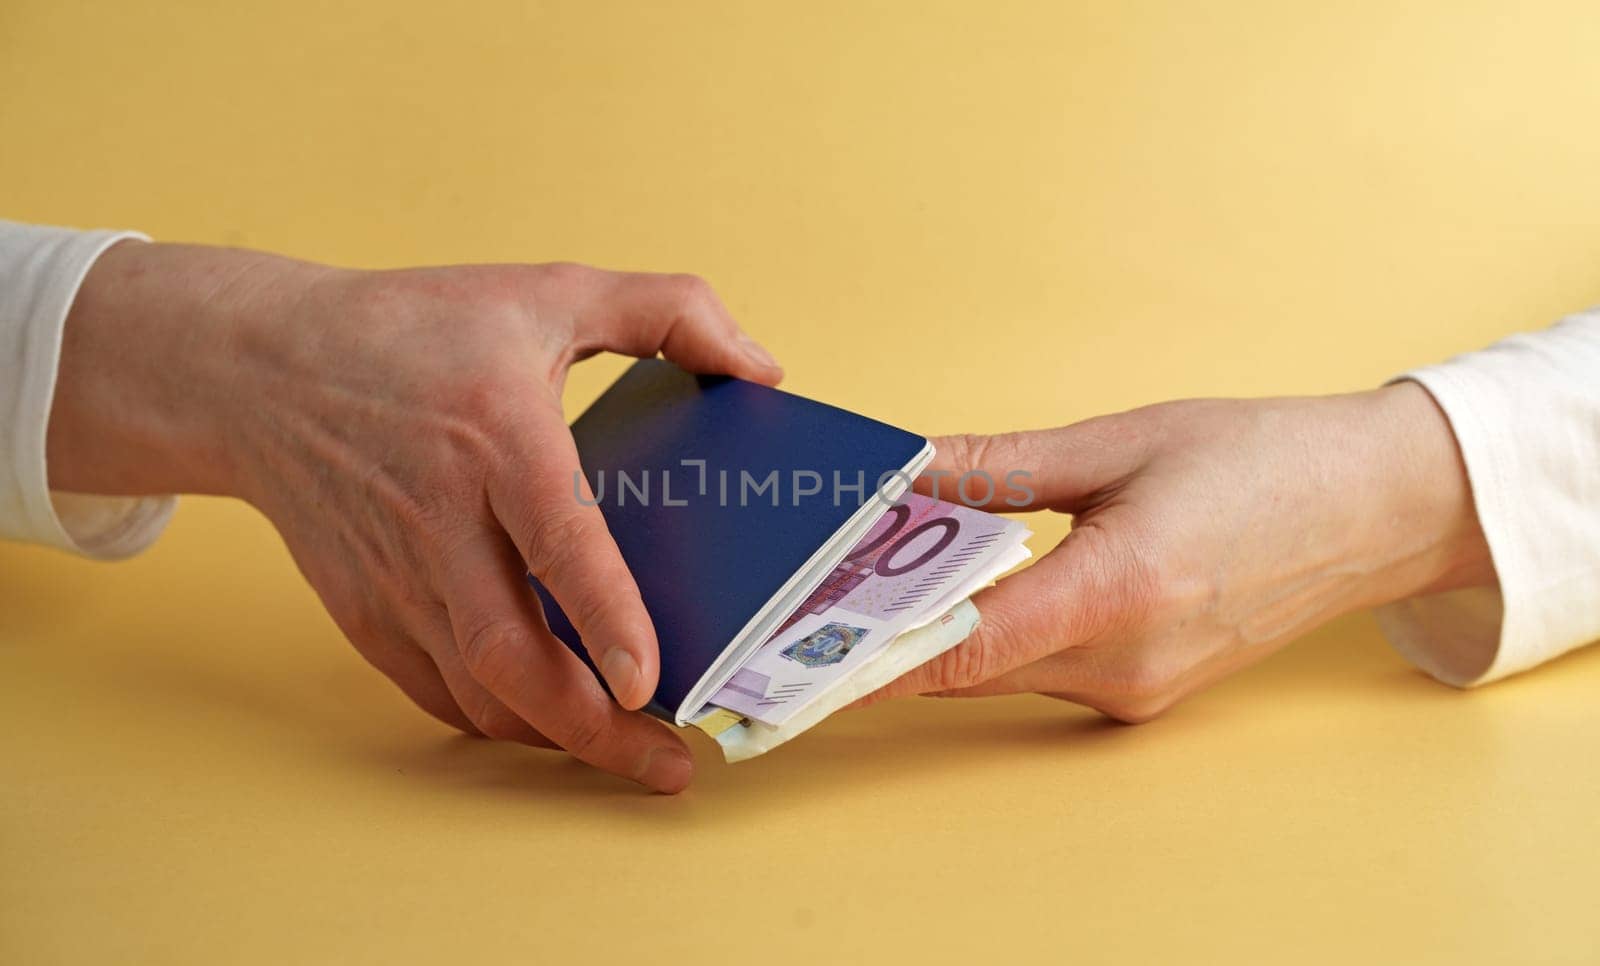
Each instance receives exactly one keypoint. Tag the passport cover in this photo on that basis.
(707, 567)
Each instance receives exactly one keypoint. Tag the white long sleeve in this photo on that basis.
(1526, 413)
(40, 271)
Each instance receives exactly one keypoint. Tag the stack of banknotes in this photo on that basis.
(897, 600)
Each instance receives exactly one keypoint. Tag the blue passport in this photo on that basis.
(730, 502)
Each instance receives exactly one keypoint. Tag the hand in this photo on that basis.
(403, 432)
(1207, 534)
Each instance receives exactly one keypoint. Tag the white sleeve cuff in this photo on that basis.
(40, 271)
(1526, 415)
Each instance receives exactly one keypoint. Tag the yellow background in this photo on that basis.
(952, 217)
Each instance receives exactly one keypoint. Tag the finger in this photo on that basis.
(1127, 680)
(1116, 681)
(1059, 469)
(1050, 679)
(507, 648)
(405, 663)
(679, 316)
(488, 714)
(400, 659)
(547, 508)
(1075, 674)
(1068, 597)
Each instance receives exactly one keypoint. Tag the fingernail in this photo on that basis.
(665, 769)
(621, 672)
(754, 350)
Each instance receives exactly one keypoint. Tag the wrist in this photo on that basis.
(151, 392)
(1428, 538)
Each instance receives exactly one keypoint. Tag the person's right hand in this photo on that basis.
(1207, 534)
(403, 431)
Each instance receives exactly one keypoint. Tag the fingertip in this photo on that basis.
(769, 376)
(764, 367)
(624, 677)
(632, 681)
(665, 769)
(635, 657)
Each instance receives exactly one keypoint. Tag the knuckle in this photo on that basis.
(554, 541)
(564, 274)
(690, 291)
(1128, 433)
(583, 733)
(492, 653)
(1129, 710)
(481, 412)
(987, 652)
(498, 723)
(965, 665)
(475, 402)
(978, 448)
(1148, 681)
(967, 450)
(587, 604)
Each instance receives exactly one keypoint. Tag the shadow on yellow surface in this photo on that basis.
(189, 728)
(244, 648)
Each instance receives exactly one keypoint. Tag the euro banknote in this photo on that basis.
(742, 738)
(918, 560)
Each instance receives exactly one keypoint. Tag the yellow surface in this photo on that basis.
(974, 216)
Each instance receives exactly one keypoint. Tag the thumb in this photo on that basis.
(679, 316)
